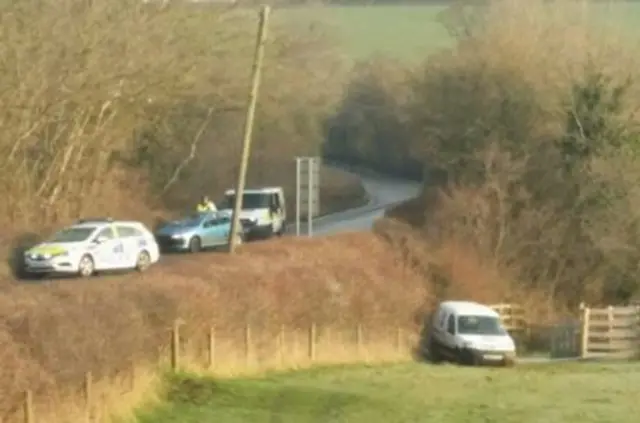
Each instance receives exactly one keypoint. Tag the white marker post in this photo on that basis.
(308, 184)
(298, 196)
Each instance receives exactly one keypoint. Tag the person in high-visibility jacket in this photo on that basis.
(206, 205)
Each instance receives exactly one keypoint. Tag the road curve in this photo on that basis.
(383, 192)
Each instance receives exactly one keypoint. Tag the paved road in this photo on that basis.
(383, 192)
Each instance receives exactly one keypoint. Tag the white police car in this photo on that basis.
(92, 245)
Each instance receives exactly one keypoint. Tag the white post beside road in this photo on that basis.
(310, 210)
(310, 183)
(298, 196)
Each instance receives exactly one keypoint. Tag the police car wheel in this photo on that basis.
(86, 266)
(143, 262)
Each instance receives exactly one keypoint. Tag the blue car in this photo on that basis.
(196, 232)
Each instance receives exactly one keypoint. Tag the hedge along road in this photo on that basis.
(383, 192)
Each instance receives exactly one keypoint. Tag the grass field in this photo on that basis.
(406, 32)
(411, 393)
(413, 32)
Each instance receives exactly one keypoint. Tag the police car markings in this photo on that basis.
(48, 249)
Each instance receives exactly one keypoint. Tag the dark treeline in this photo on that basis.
(534, 120)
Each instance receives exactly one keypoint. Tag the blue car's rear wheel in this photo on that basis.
(195, 244)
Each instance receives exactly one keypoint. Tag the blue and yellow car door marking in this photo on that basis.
(118, 248)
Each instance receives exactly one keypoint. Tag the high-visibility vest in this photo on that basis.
(203, 207)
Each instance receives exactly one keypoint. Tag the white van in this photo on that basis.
(469, 333)
(263, 213)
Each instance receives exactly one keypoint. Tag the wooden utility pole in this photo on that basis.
(248, 125)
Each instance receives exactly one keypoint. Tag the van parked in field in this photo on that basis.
(469, 333)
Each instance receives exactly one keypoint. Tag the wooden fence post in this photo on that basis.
(399, 343)
(133, 374)
(175, 346)
(637, 326)
(247, 344)
(359, 339)
(88, 395)
(281, 341)
(29, 416)
(211, 359)
(312, 342)
(584, 332)
(610, 323)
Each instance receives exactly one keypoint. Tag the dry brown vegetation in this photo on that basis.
(122, 107)
(533, 120)
(51, 336)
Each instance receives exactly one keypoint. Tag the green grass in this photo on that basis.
(406, 32)
(412, 32)
(411, 393)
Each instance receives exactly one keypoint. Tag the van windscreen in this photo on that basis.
(250, 201)
(480, 325)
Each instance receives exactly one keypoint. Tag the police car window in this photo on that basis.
(105, 233)
(451, 325)
(128, 231)
(74, 234)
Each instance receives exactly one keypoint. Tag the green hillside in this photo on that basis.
(412, 32)
(411, 393)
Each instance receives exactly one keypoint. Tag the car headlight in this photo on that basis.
(177, 236)
(61, 254)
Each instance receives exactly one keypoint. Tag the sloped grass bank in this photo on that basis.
(575, 392)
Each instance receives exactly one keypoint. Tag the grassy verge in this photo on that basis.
(577, 392)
